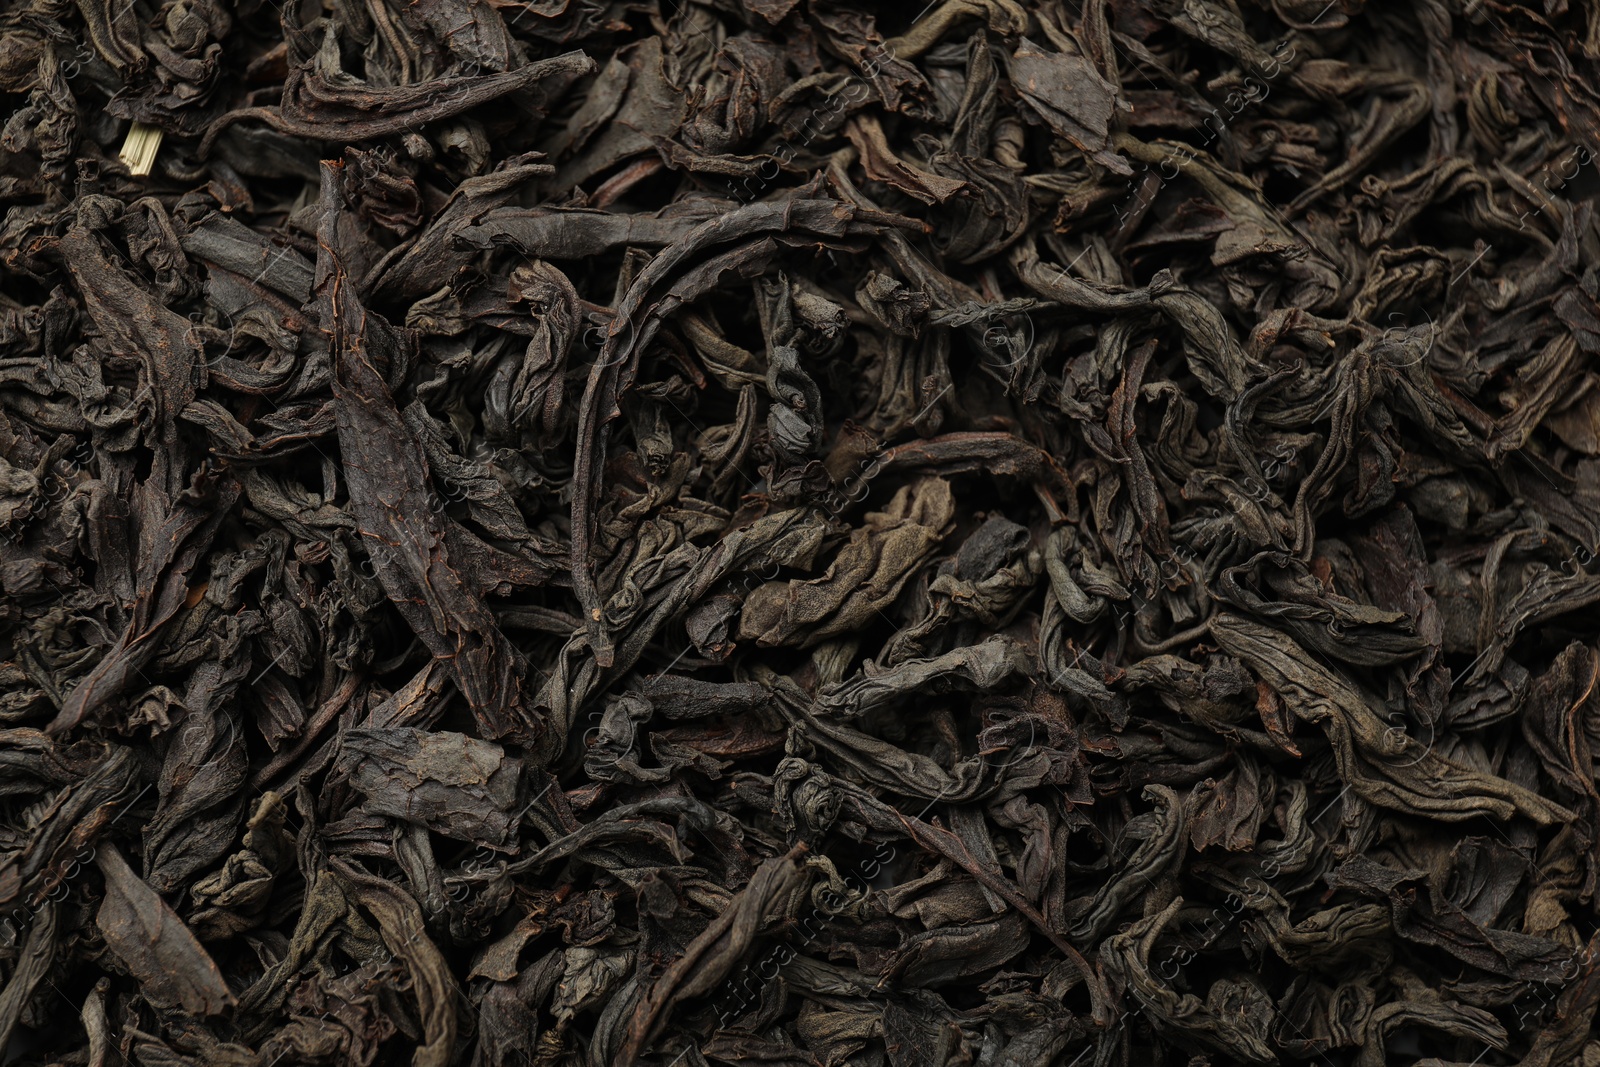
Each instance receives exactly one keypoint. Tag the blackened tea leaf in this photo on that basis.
(452, 784)
(411, 543)
(155, 945)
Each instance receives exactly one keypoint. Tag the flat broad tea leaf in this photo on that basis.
(1002, 533)
(154, 945)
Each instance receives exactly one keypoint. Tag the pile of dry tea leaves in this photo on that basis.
(639, 533)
